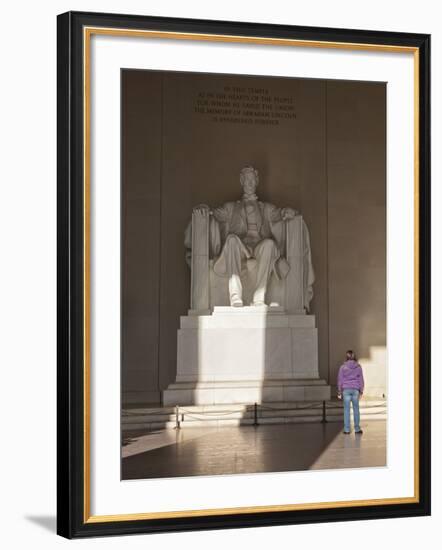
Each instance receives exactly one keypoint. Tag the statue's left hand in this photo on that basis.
(288, 213)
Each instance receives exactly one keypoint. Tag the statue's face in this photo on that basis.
(249, 182)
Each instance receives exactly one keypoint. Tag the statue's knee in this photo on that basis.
(231, 237)
(232, 240)
(267, 244)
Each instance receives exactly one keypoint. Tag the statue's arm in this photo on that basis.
(275, 214)
(288, 213)
(272, 213)
(221, 213)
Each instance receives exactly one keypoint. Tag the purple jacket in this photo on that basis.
(350, 376)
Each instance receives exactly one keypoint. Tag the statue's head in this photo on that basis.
(249, 179)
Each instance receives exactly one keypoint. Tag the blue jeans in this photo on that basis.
(351, 396)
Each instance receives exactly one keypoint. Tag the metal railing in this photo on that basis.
(181, 412)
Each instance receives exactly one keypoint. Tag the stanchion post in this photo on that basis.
(255, 410)
(324, 413)
(177, 417)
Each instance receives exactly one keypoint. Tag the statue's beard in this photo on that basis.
(249, 196)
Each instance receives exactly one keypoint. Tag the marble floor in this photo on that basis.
(249, 449)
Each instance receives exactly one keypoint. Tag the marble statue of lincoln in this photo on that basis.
(248, 233)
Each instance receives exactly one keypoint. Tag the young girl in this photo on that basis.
(350, 389)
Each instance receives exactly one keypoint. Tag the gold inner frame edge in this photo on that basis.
(87, 33)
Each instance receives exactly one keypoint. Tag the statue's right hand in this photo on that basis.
(202, 210)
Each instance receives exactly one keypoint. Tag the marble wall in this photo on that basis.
(325, 157)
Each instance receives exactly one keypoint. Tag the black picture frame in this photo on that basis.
(73, 514)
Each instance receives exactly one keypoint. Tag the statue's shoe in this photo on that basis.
(258, 304)
(236, 303)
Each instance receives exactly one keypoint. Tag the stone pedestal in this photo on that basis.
(246, 355)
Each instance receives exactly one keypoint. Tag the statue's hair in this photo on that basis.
(246, 169)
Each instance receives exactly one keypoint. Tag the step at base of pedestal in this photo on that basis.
(218, 392)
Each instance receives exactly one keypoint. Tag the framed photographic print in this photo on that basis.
(243, 274)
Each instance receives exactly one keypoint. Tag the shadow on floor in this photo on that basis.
(271, 448)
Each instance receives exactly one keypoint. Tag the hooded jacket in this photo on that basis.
(350, 376)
